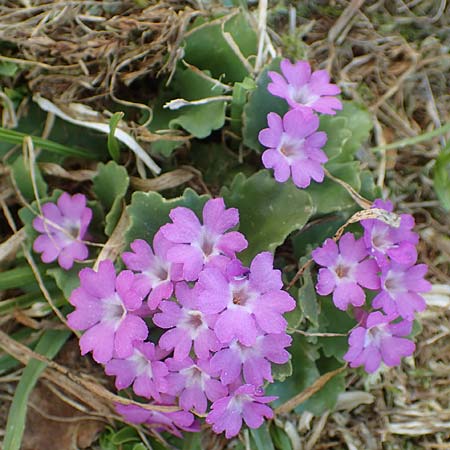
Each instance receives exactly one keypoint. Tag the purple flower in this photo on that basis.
(345, 271)
(197, 244)
(194, 383)
(400, 288)
(63, 227)
(379, 340)
(385, 241)
(303, 89)
(172, 422)
(143, 369)
(253, 361)
(247, 403)
(104, 307)
(294, 147)
(156, 273)
(245, 303)
(188, 326)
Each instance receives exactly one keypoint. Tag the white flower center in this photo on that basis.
(303, 95)
(114, 310)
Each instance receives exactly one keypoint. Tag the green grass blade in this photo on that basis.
(113, 143)
(16, 278)
(49, 345)
(16, 137)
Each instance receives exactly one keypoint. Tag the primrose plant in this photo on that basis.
(190, 323)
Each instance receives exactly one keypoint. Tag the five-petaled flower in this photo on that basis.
(104, 306)
(294, 147)
(63, 227)
(303, 89)
(347, 269)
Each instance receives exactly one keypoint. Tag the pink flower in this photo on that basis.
(303, 89)
(400, 289)
(188, 326)
(197, 244)
(156, 274)
(346, 270)
(104, 307)
(194, 383)
(143, 369)
(379, 340)
(388, 243)
(245, 303)
(172, 422)
(254, 362)
(63, 227)
(294, 147)
(245, 403)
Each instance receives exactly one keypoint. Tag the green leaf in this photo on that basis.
(282, 371)
(207, 48)
(192, 441)
(269, 211)
(261, 437)
(199, 120)
(160, 123)
(126, 434)
(217, 165)
(8, 69)
(110, 187)
(49, 345)
(441, 179)
(346, 131)
(333, 320)
(21, 173)
(329, 196)
(261, 102)
(67, 280)
(148, 211)
(304, 372)
(280, 438)
(307, 299)
(113, 144)
(240, 94)
(325, 399)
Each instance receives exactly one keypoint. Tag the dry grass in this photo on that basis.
(87, 51)
(405, 83)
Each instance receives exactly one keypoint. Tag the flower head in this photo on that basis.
(378, 339)
(156, 275)
(303, 89)
(63, 227)
(345, 270)
(400, 289)
(386, 242)
(245, 303)
(104, 306)
(194, 384)
(197, 244)
(253, 362)
(188, 326)
(294, 147)
(246, 403)
(143, 369)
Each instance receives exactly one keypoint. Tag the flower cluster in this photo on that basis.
(222, 323)
(293, 142)
(63, 227)
(384, 261)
